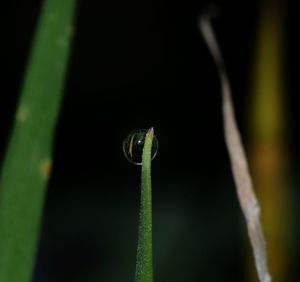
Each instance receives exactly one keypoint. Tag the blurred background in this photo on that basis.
(137, 64)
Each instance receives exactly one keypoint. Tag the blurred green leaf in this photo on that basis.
(28, 160)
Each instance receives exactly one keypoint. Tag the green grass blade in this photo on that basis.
(144, 268)
(27, 163)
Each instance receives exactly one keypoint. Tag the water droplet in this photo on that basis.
(133, 146)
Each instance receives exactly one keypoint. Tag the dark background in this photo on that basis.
(137, 64)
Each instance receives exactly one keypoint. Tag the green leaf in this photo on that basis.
(28, 159)
(144, 268)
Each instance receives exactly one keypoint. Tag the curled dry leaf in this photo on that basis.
(239, 165)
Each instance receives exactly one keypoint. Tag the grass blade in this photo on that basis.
(239, 164)
(144, 268)
(27, 163)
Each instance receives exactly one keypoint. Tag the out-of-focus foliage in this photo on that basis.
(269, 150)
(28, 161)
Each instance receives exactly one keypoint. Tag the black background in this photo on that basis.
(137, 64)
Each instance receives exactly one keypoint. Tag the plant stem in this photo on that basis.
(27, 164)
(144, 268)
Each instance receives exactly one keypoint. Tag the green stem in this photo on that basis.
(144, 268)
(27, 164)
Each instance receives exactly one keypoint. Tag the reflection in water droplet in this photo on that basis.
(133, 146)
